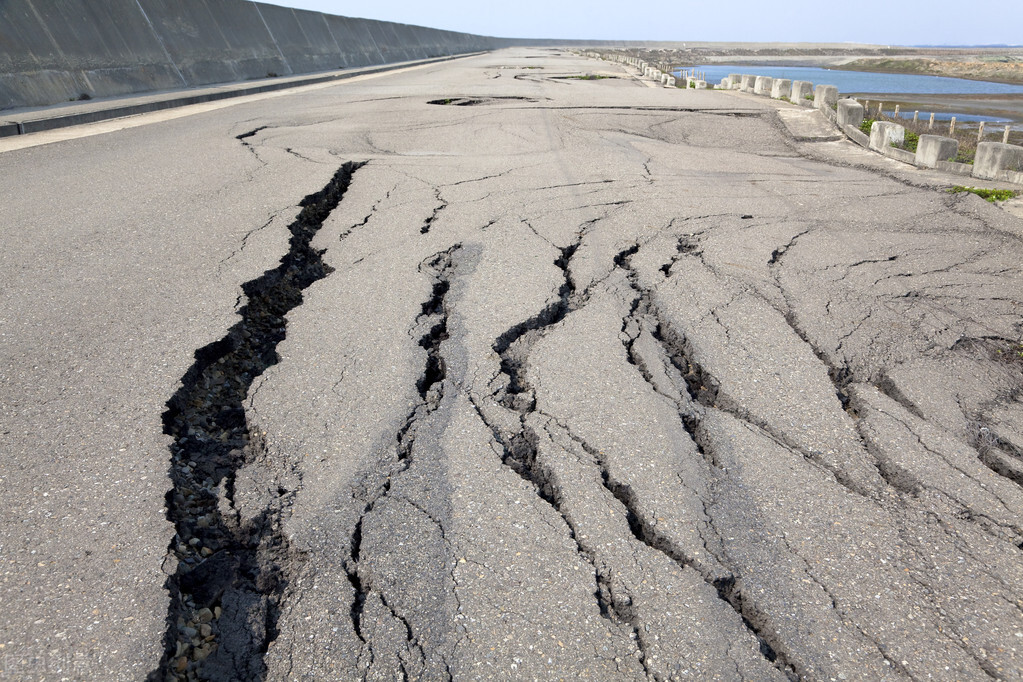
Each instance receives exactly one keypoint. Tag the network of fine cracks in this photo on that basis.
(520, 452)
(375, 486)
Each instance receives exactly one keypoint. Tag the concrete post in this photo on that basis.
(733, 80)
(933, 148)
(896, 111)
(747, 83)
(824, 96)
(725, 83)
(1005, 135)
(980, 131)
(952, 126)
(801, 90)
(781, 87)
(850, 112)
(916, 116)
(884, 133)
(931, 124)
(762, 85)
(995, 157)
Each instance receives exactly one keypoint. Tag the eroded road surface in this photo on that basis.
(486, 372)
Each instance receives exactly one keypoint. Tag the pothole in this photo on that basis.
(476, 101)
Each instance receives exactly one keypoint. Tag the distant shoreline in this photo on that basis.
(1010, 73)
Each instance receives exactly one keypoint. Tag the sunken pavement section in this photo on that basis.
(545, 378)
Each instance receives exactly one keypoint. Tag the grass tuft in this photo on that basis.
(991, 195)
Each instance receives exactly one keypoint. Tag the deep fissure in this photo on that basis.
(214, 553)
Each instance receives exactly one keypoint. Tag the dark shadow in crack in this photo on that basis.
(226, 573)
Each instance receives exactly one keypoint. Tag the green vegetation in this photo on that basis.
(1010, 352)
(784, 98)
(909, 142)
(692, 84)
(807, 96)
(991, 195)
(865, 126)
(589, 77)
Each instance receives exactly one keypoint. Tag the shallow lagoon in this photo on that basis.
(862, 82)
(968, 101)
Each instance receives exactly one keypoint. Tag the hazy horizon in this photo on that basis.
(939, 23)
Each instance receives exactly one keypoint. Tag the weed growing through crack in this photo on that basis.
(991, 195)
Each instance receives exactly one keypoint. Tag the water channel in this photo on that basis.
(968, 100)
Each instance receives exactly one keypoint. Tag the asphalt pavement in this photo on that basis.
(496, 369)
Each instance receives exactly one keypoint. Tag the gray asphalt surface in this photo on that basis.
(579, 379)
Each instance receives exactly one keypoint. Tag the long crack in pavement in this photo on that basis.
(224, 572)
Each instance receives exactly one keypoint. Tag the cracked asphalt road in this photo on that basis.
(593, 380)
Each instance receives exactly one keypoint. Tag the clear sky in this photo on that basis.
(865, 21)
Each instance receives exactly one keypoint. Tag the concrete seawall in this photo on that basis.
(55, 52)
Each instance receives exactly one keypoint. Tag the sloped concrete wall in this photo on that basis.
(54, 51)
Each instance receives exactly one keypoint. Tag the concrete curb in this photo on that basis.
(29, 124)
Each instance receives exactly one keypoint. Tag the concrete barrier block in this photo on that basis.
(669, 81)
(993, 159)
(903, 155)
(747, 82)
(734, 79)
(850, 112)
(702, 85)
(782, 87)
(824, 96)
(933, 148)
(884, 133)
(857, 135)
(725, 84)
(801, 90)
(762, 85)
(955, 167)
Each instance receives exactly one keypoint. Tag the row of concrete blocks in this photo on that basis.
(666, 79)
(652, 72)
(993, 160)
(802, 93)
(620, 58)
